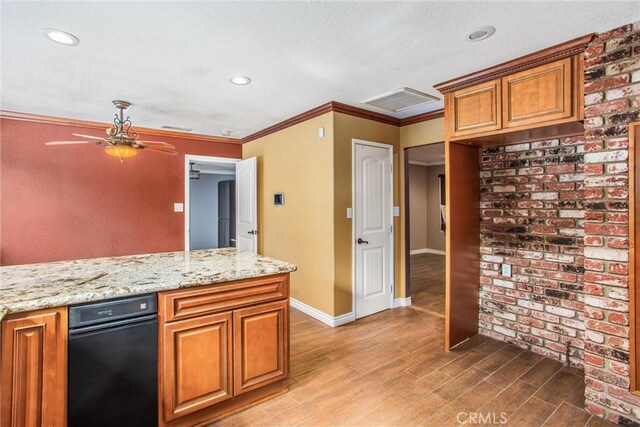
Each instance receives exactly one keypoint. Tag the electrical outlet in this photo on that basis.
(506, 270)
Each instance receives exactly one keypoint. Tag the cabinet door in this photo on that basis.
(34, 369)
(261, 345)
(538, 95)
(475, 109)
(196, 364)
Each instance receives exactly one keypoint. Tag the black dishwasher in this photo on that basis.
(113, 363)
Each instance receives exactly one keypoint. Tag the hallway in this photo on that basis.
(428, 283)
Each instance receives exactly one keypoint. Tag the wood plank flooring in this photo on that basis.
(390, 369)
(427, 283)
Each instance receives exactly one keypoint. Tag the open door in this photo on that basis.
(247, 205)
(462, 176)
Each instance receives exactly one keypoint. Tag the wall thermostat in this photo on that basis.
(278, 199)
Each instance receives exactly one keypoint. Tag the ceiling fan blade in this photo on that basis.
(161, 150)
(158, 143)
(87, 136)
(67, 142)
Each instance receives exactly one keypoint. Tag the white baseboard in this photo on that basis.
(427, 251)
(322, 316)
(401, 302)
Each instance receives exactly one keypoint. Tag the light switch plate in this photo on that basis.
(396, 211)
(506, 270)
(320, 132)
(178, 207)
(349, 213)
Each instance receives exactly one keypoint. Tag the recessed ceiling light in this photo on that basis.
(61, 37)
(226, 132)
(240, 80)
(481, 33)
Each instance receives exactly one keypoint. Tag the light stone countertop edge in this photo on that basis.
(31, 287)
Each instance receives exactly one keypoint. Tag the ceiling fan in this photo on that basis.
(122, 140)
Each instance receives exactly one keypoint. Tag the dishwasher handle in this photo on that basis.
(120, 324)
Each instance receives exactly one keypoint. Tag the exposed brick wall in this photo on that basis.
(531, 200)
(557, 210)
(612, 100)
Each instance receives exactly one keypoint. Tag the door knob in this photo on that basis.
(360, 241)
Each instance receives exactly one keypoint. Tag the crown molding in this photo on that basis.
(553, 53)
(314, 112)
(61, 121)
(431, 115)
(338, 107)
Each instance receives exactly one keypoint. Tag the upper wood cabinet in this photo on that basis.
(34, 369)
(475, 109)
(533, 97)
(538, 95)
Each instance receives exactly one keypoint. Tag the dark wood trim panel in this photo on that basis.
(553, 53)
(36, 118)
(462, 242)
(407, 226)
(431, 115)
(634, 254)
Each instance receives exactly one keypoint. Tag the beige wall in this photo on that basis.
(435, 237)
(311, 229)
(299, 164)
(429, 132)
(348, 128)
(418, 191)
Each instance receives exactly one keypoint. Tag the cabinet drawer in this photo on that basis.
(182, 304)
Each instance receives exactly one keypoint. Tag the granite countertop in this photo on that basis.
(36, 286)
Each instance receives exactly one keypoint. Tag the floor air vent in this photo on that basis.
(400, 99)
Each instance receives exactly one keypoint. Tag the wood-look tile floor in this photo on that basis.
(427, 282)
(390, 369)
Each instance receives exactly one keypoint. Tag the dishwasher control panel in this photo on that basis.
(108, 311)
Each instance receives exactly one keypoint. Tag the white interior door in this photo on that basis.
(373, 231)
(247, 205)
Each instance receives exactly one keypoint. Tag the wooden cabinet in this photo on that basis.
(261, 352)
(534, 97)
(34, 369)
(476, 109)
(538, 95)
(200, 372)
(222, 347)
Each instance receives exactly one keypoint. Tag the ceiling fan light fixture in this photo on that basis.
(121, 151)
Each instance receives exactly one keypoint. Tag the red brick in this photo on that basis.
(606, 83)
(618, 318)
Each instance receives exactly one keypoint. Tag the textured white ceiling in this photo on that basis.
(172, 60)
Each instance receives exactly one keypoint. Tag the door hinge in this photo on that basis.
(391, 229)
(390, 168)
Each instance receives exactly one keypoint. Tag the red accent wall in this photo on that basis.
(73, 202)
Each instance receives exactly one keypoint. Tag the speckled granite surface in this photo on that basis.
(36, 286)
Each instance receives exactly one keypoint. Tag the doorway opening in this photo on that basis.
(426, 227)
(210, 202)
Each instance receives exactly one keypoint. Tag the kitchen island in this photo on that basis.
(222, 306)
